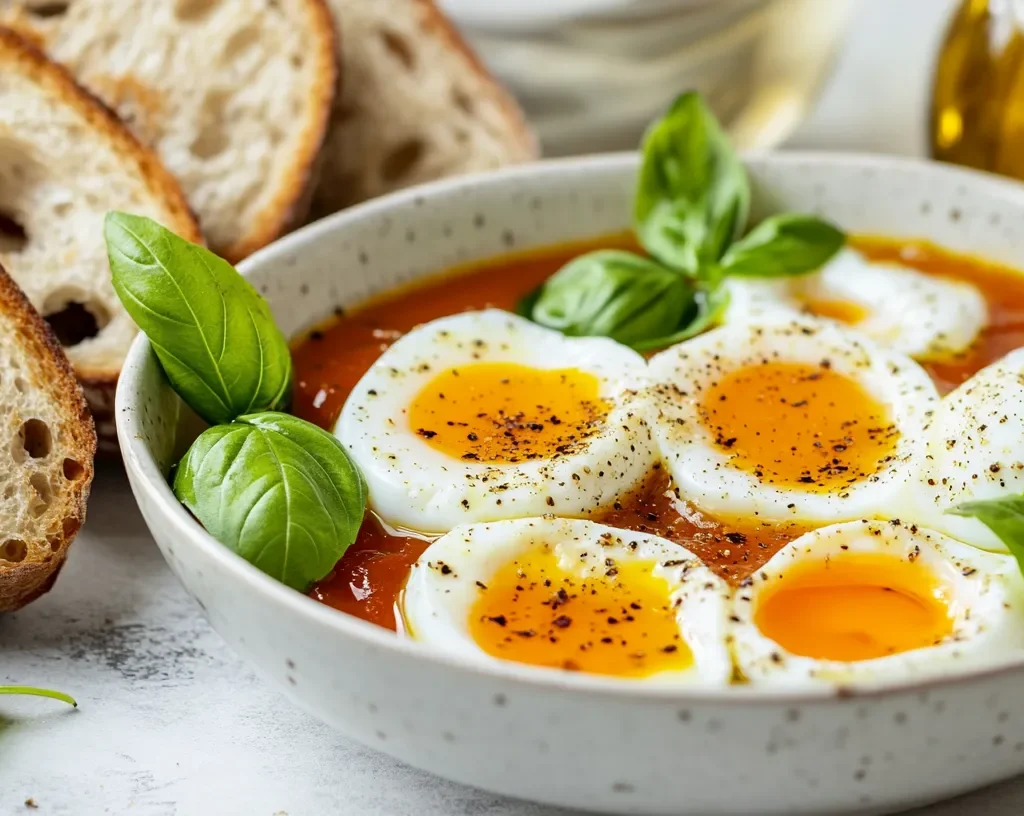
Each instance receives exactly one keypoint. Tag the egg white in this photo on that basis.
(985, 592)
(680, 375)
(445, 583)
(753, 299)
(923, 316)
(975, 451)
(414, 485)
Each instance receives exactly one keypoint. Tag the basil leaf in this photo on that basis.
(214, 335)
(709, 308)
(322, 446)
(616, 294)
(1003, 516)
(693, 196)
(784, 245)
(524, 307)
(278, 491)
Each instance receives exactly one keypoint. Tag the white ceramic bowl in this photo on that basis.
(561, 738)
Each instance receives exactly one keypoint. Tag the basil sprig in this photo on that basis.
(1003, 516)
(691, 206)
(692, 197)
(213, 333)
(277, 490)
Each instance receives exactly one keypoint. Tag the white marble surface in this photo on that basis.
(171, 723)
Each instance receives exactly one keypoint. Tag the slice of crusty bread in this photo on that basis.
(46, 459)
(233, 94)
(65, 160)
(415, 105)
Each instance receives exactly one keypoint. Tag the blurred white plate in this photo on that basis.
(598, 71)
(531, 15)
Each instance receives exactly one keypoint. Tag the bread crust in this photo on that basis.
(289, 205)
(26, 581)
(289, 208)
(370, 130)
(18, 54)
(434, 20)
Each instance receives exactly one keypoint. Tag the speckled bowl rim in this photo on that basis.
(276, 593)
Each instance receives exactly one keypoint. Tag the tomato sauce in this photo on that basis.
(330, 360)
(368, 580)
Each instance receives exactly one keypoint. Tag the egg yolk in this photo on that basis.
(856, 607)
(619, 622)
(842, 310)
(797, 425)
(503, 413)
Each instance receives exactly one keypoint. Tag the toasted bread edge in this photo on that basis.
(435, 20)
(17, 51)
(26, 582)
(289, 208)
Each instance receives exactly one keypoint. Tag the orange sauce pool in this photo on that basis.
(329, 362)
(369, 579)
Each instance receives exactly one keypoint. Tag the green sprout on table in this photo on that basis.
(39, 692)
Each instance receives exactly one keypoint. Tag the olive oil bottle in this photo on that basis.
(977, 114)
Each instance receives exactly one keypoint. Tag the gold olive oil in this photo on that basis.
(977, 115)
